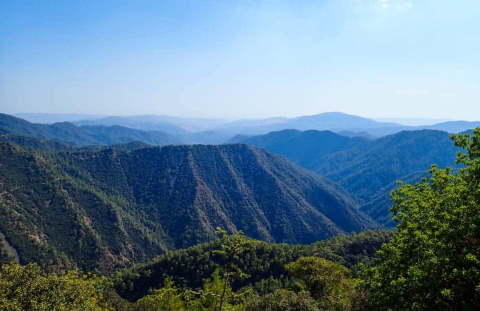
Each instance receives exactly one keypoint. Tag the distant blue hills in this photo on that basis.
(215, 131)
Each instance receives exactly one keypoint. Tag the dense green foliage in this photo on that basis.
(327, 282)
(242, 275)
(283, 300)
(104, 208)
(433, 262)
(290, 281)
(30, 288)
(81, 136)
(262, 263)
(367, 169)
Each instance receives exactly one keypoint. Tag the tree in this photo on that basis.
(329, 283)
(433, 262)
(30, 288)
(214, 295)
(167, 298)
(231, 247)
(283, 300)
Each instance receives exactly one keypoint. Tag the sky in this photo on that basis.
(242, 58)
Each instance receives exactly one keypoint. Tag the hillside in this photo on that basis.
(51, 218)
(263, 262)
(102, 209)
(303, 148)
(82, 136)
(190, 190)
(367, 169)
(35, 143)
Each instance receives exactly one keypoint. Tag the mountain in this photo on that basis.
(35, 143)
(145, 123)
(367, 169)
(167, 124)
(303, 148)
(332, 121)
(49, 118)
(103, 209)
(81, 136)
(216, 131)
(193, 189)
(455, 126)
(412, 121)
(39, 144)
(335, 121)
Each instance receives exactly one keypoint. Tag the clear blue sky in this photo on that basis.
(241, 58)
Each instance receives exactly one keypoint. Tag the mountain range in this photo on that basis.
(71, 134)
(104, 208)
(215, 131)
(101, 197)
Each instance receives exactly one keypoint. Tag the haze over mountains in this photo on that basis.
(215, 131)
(82, 135)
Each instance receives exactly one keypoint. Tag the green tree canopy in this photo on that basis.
(167, 298)
(329, 283)
(30, 288)
(283, 300)
(433, 262)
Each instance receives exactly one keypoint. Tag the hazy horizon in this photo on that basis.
(33, 117)
(401, 59)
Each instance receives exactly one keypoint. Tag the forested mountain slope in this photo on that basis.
(190, 190)
(303, 148)
(102, 209)
(363, 171)
(367, 169)
(51, 218)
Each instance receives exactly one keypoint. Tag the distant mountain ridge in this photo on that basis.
(216, 131)
(304, 148)
(455, 126)
(82, 136)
